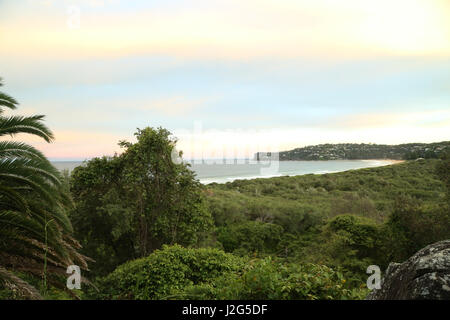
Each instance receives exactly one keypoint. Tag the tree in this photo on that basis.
(35, 231)
(250, 237)
(138, 201)
(102, 218)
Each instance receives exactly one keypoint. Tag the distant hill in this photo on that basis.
(355, 151)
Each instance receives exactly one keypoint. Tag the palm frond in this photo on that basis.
(7, 101)
(14, 149)
(34, 226)
(14, 282)
(13, 125)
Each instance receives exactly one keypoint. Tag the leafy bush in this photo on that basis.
(251, 236)
(164, 271)
(349, 242)
(267, 279)
(413, 226)
(361, 233)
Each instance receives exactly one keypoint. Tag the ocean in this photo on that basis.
(221, 172)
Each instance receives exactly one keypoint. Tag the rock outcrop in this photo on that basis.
(425, 275)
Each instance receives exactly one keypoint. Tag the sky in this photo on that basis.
(228, 78)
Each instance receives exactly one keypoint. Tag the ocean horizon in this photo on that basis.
(227, 170)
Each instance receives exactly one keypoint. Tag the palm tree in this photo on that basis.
(35, 231)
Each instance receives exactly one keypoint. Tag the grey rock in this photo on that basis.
(425, 275)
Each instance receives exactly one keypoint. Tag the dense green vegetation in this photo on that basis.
(302, 237)
(165, 272)
(352, 151)
(179, 273)
(129, 205)
(154, 232)
(349, 220)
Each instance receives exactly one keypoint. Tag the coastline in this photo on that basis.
(390, 160)
(370, 163)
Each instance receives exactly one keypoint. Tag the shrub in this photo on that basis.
(251, 236)
(266, 279)
(166, 271)
(413, 226)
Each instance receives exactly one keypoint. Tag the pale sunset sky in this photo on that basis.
(264, 74)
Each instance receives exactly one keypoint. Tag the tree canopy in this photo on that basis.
(130, 204)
